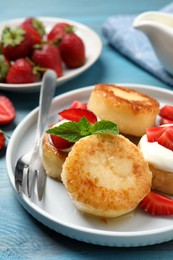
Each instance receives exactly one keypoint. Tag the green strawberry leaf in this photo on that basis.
(4, 67)
(12, 36)
(38, 25)
(73, 131)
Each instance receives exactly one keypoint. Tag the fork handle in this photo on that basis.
(46, 94)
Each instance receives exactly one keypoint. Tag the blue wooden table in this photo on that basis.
(21, 236)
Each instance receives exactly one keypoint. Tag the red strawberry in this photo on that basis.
(164, 121)
(2, 139)
(157, 204)
(36, 24)
(4, 67)
(47, 56)
(154, 133)
(21, 72)
(16, 43)
(78, 104)
(7, 110)
(60, 143)
(35, 28)
(75, 114)
(58, 31)
(36, 37)
(72, 50)
(166, 138)
(167, 112)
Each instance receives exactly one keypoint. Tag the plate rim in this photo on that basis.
(31, 87)
(25, 201)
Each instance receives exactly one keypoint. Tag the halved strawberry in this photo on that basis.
(157, 204)
(167, 112)
(164, 121)
(153, 133)
(2, 139)
(7, 110)
(166, 138)
(78, 104)
(60, 143)
(75, 114)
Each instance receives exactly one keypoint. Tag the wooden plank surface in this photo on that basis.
(21, 236)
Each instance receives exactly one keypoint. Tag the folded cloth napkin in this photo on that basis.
(134, 44)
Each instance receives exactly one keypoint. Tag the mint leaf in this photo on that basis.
(104, 126)
(69, 131)
(73, 131)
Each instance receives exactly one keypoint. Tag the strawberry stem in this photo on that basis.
(7, 137)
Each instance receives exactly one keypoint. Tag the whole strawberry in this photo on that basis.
(72, 50)
(21, 72)
(58, 31)
(4, 67)
(2, 139)
(47, 56)
(36, 29)
(15, 42)
(35, 24)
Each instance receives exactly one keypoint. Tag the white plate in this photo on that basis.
(93, 46)
(57, 211)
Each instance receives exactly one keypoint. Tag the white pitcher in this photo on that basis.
(158, 27)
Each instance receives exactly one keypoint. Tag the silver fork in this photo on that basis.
(30, 164)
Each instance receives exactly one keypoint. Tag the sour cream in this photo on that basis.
(156, 154)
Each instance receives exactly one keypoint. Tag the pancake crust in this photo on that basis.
(52, 158)
(106, 175)
(131, 110)
(162, 180)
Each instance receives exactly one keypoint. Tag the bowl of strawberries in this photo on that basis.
(29, 46)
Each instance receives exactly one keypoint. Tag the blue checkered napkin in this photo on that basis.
(134, 44)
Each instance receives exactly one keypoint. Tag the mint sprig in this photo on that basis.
(73, 131)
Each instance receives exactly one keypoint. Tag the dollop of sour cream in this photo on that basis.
(156, 154)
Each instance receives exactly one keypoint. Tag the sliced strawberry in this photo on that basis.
(157, 204)
(78, 104)
(164, 121)
(75, 114)
(7, 110)
(60, 143)
(2, 139)
(154, 133)
(166, 138)
(167, 112)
